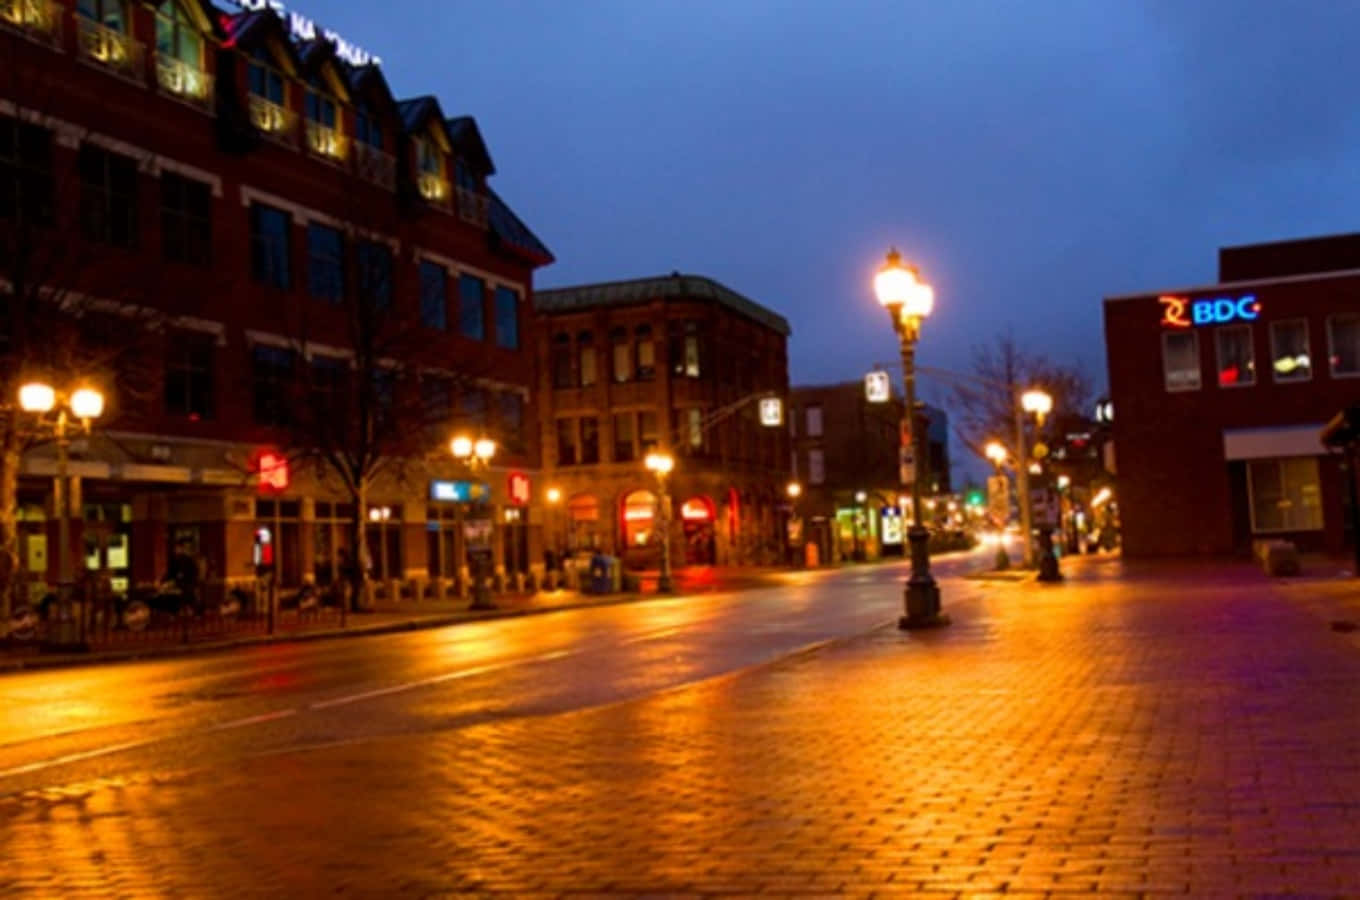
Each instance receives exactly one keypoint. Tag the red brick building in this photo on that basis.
(248, 186)
(1220, 392)
(680, 363)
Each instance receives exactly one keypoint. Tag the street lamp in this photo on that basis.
(662, 464)
(1039, 404)
(996, 452)
(476, 454)
(908, 301)
(85, 404)
(554, 497)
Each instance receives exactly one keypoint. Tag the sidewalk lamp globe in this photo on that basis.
(36, 397)
(87, 403)
(660, 463)
(995, 451)
(900, 289)
(461, 447)
(795, 490)
(1038, 402)
(485, 448)
(554, 495)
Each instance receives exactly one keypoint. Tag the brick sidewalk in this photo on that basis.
(1132, 732)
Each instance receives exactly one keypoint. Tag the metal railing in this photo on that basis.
(374, 165)
(39, 20)
(107, 47)
(184, 81)
(326, 142)
(472, 207)
(274, 120)
(434, 189)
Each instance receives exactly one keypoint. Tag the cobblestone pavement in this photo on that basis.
(1190, 731)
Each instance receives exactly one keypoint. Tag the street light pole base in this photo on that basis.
(922, 600)
(938, 620)
(664, 586)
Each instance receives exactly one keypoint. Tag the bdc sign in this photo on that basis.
(1180, 312)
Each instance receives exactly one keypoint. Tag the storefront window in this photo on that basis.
(583, 516)
(1343, 344)
(1289, 355)
(441, 535)
(1284, 495)
(1180, 360)
(639, 512)
(1236, 361)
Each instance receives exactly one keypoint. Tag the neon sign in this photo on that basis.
(1181, 312)
(272, 472)
(518, 487)
(304, 29)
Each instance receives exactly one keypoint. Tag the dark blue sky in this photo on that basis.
(1030, 157)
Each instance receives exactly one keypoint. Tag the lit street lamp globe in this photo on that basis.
(1038, 402)
(485, 448)
(461, 446)
(899, 287)
(795, 489)
(87, 403)
(660, 463)
(37, 398)
(995, 451)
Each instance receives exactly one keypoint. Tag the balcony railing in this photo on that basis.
(325, 142)
(184, 81)
(38, 20)
(110, 48)
(434, 189)
(472, 207)
(374, 165)
(275, 121)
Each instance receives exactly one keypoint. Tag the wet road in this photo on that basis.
(66, 726)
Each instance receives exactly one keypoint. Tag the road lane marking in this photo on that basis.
(76, 757)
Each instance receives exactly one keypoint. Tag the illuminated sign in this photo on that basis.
(892, 526)
(273, 472)
(459, 491)
(1180, 312)
(877, 387)
(771, 412)
(304, 29)
(517, 486)
(637, 513)
(695, 510)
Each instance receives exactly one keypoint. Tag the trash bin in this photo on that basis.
(599, 574)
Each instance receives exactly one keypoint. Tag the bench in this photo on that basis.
(1277, 557)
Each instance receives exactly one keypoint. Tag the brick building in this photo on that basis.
(845, 446)
(1220, 393)
(677, 362)
(248, 189)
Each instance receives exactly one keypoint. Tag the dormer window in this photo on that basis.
(367, 129)
(466, 178)
(472, 206)
(103, 36)
(109, 13)
(370, 158)
(268, 97)
(179, 54)
(323, 134)
(430, 168)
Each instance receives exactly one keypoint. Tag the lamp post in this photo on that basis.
(908, 301)
(84, 404)
(1039, 404)
(554, 498)
(794, 539)
(662, 463)
(476, 455)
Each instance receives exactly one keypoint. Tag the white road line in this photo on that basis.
(76, 757)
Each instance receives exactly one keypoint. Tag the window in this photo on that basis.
(266, 82)
(464, 176)
(1343, 344)
(189, 376)
(512, 417)
(176, 36)
(646, 353)
(319, 108)
(624, 450)
(367, 129)
(108, 13)
(384, 396)
(330, 376)
(186, 220)
(816, 467)
(472, 307)
(566, 442)
(428, 157)
(814, 422)
(475, 407)
(26, 182)
(684, 349)
(590, 440)
(695, 427)
(436, 398)
(270, 245)
(1290, 358)
(325, 263)
(585, 349)
(108, 197)
(1236, 360)
(647, 436)
(271, 380)
(622, 354)
(375, 274)
(793, 464)
(507, 318)
(1284, 494)
(561, 362)
(433, 296)
(1180, 360)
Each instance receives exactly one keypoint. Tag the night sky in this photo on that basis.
(1030, 157)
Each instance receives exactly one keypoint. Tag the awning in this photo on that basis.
(1272, 443)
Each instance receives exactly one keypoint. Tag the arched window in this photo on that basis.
(176, 35)
(639, 517)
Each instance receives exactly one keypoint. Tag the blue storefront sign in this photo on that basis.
(460, 491)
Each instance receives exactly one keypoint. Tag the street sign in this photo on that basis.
(771, 412)
(877, 387)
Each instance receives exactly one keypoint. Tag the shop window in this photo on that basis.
(639, 515)
(585, 352)
(108, 197)
(624, 449)
(1180, 360)
(566, 442)
(1343, 345)
(816, 467)
(590, 440)
(1236, 358)
(622, 354)
(27, 185)
(186, 220)
(646, 354)
(434, 296)
(1290, 358)
(471, 307)
(189, 376)
(271, 381)
(814, 421)
(270, 247)
(507, 318)
(374, 276)
(1285, 495)
(325, 263)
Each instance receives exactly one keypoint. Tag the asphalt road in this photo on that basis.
(60, 727)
